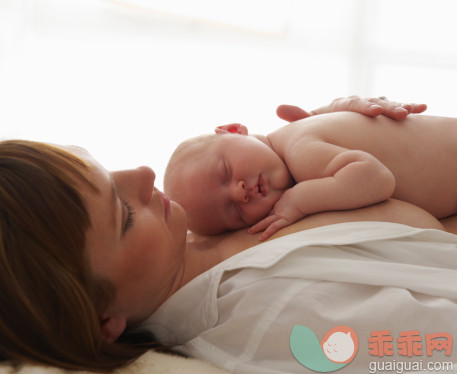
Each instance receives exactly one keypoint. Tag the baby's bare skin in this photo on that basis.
(331, 162)
(420, 152)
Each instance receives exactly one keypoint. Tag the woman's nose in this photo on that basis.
(238, 192)
(135, 183)
(145, 183)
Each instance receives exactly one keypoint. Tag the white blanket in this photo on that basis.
(368, 276)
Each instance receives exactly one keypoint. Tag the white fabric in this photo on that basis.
(368, 275)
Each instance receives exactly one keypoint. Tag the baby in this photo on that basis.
(336, 161)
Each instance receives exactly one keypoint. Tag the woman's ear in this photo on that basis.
(112, 328)
(232, 128)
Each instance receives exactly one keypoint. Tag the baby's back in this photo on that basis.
(421, 152)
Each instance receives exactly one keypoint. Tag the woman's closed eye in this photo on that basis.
(128, 223)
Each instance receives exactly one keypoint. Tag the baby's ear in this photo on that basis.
(232, 128)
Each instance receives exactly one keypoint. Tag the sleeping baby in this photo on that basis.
(337, 161)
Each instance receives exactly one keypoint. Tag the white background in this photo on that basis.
(129, 79)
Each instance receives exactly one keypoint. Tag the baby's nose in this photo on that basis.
(239, 192)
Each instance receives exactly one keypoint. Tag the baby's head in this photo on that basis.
(225, 181)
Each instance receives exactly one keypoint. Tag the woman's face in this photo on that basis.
(136, 241)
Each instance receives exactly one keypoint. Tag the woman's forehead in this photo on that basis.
(79, 151)
(83, 154)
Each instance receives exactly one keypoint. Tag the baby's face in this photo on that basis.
(234, 184)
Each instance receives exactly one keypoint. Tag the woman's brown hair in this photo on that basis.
(49, 301)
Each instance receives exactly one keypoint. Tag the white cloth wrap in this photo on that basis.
(367, 275)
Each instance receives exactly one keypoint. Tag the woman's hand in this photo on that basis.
(370, 107)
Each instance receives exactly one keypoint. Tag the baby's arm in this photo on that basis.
(328, 178)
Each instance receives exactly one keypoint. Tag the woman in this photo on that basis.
(86, 253)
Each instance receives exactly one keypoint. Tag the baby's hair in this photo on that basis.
(191, 147)
(186, 151)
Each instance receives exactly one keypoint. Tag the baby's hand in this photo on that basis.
(271, 224)
(283, 214)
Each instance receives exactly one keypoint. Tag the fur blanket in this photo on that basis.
(149, 363)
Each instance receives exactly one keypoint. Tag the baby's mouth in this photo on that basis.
(261, 189)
